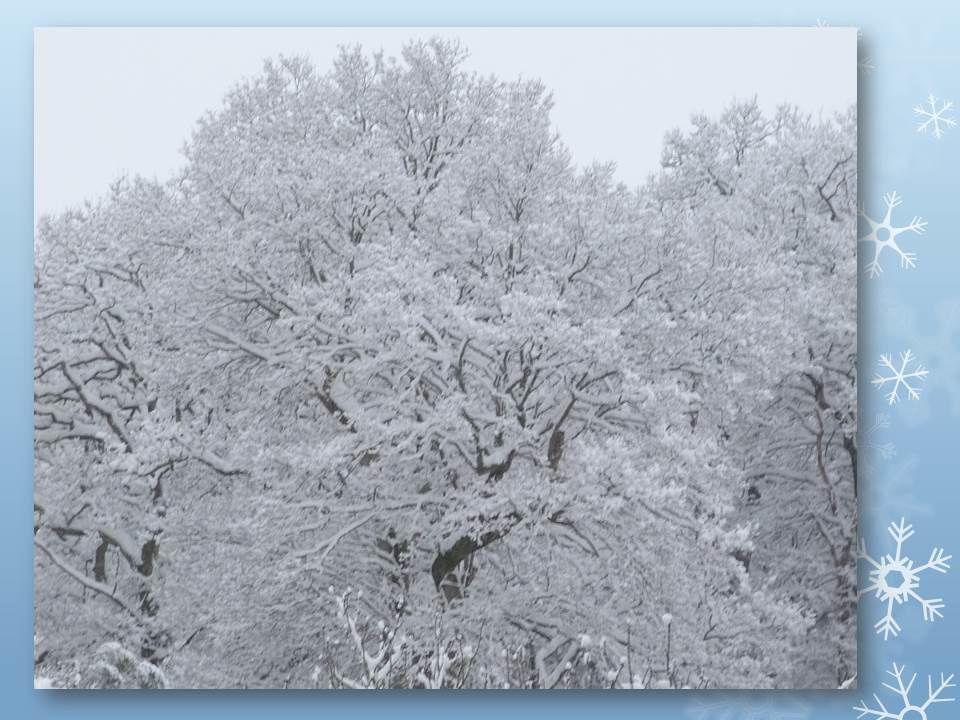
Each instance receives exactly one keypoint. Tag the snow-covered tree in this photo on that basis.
(412, 400)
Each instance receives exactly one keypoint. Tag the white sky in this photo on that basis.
(115, 100)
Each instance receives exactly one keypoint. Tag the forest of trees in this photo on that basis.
(383, 391)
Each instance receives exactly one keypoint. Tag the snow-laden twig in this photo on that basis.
(98, 587)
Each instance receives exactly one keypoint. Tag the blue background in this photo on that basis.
(914, 51)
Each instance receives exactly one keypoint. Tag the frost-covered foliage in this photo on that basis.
(111, 666)
(383, 391)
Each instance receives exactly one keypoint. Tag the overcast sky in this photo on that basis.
(109, 101)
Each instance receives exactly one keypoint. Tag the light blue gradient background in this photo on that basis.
(915, 52)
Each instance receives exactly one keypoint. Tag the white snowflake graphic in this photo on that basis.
(739, 708)
(935, 117)
(905, 708)
(910, 371)
(895, 579)
(890, 489)
(883, 235)
(874, 446)
(863, 62)
(934, 332)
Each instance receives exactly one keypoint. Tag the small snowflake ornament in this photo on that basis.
(906, 376)
(895, 579)
(883, 235)
(905, 709)
(738, 707)
(871, 435)
(935, 117)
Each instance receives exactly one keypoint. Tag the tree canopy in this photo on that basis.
(382, 390)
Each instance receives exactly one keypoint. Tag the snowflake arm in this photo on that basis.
(931, 608)
(900, 533)
(902, 690)
(933, 696)
(905, 707)
(938, 561)
(887, 624)
(880, 712)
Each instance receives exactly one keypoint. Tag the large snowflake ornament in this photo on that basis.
(906, 376)
(934, 116)
(884, 235)
(895, 579)
(905, 708)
